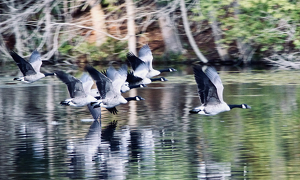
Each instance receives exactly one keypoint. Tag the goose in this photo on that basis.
(145, 55)
(121, 75)
(77, 93)
(210, 90)
(87, 83)
(30, 69)
(140, 74)
(110, 94)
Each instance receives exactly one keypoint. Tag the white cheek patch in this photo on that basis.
(243, 106)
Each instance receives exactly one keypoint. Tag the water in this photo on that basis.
(156, 138)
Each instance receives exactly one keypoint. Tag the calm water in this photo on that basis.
(156, 138)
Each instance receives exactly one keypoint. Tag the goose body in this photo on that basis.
(30, 69)
(77, 93)
(110, 91)
(210, 90)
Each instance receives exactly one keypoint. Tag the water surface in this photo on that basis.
(156, 138)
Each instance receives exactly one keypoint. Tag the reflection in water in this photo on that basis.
(155, 139)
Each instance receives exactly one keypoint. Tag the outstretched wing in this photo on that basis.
(35, 60)
(214, 77)
(87, 82)
(206, 89)
(74, 85)
(131, 79)
(134, 61)
(145, 55)
(104, 84)
(25, 67)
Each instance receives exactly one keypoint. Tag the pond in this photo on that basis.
(156, 138)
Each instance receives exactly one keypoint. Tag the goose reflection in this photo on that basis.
(93, 150)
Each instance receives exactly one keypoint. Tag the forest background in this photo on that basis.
(75, 31)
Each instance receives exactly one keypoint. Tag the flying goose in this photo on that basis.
(145, 55)
(110, 94)
(210, 90)
(121, 75)
(30, 69)
(77, 93)
(140, 74)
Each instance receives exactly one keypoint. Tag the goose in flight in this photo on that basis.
(141, 72)
(121, 75)
(210, 90)
(30, 69)
(145, 55)
(110, 91)
(77, 93)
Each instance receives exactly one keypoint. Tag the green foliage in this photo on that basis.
(110, 50)
(268, 24)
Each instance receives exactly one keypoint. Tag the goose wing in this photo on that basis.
(35, 60)
(134, 61)
(123, 72)
(25, 67)
(214, 77)
(206, 89)
(104, 84)
(145, 55)
(74, 85)
(131, 79)
(87, 82)
(139, 67)
(115, 77)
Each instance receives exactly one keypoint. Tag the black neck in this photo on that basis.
(164, 70)
(155, 79)
(130, 98)
(49, 74)
(134, 86)
(235, 106)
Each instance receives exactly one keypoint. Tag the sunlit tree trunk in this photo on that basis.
(171, 38)
(48, 34)
(189, 33)
(131, 26)
(98, 22)
(217, 33)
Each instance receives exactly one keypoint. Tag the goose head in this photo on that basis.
(139, 98)
(172, 70)
(163, 79)
(245, 106)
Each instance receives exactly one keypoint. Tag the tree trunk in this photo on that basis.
(98, 22)
(245, 49)
(189, 34)
(171, 38)
(48, 34)
(131, 26)
(217, 33)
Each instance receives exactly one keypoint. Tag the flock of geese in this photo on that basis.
(111, 83)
